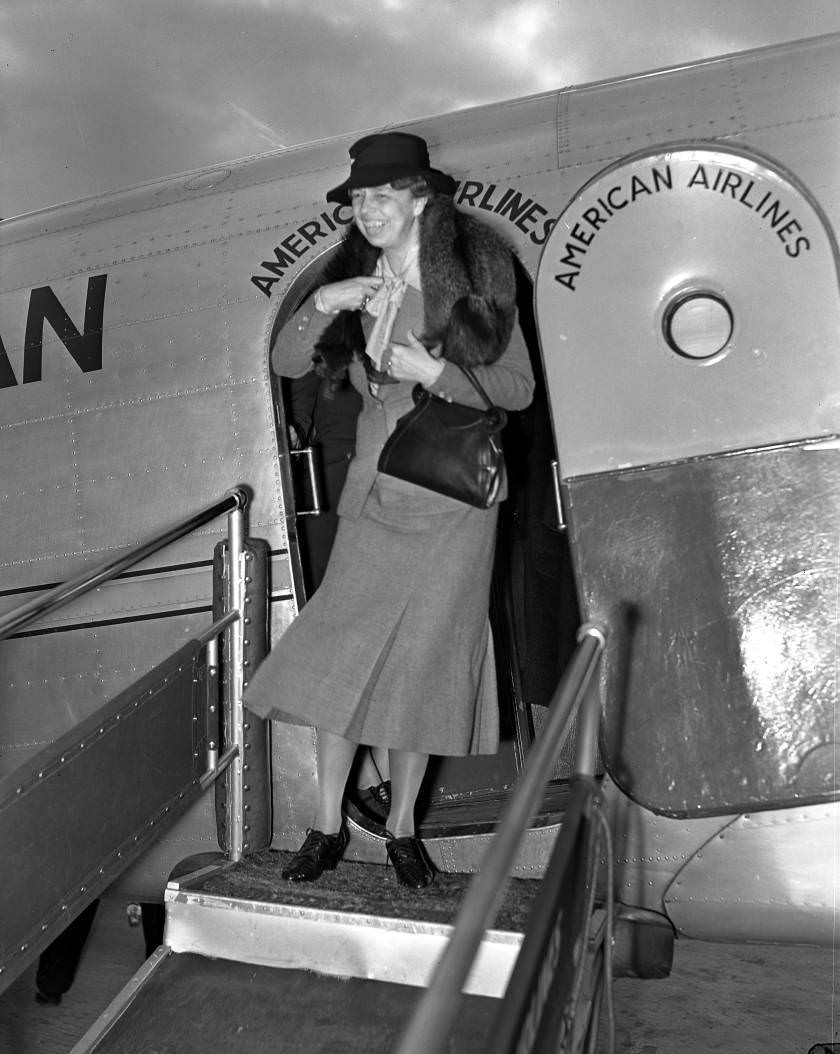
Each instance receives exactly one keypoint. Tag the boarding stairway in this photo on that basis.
(485, 963)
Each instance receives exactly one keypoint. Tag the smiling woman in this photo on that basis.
(394, 649)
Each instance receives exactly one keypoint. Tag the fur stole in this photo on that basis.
(469, 292)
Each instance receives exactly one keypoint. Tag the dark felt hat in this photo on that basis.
(381, 158)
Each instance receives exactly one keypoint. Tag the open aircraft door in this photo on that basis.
(688, 311)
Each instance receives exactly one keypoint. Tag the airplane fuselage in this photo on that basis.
(135, 332)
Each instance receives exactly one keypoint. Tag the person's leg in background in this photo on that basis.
(59, 960)
(153, 918)
(374, 782)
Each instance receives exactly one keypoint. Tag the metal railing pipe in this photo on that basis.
(212, 774)
(210, 641)
(430, 1028)
(93, 577)
(586, 733)
(235, 682)
(209, 636)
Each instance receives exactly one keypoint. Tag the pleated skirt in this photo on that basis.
(394, 649)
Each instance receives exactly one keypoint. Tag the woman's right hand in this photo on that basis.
(351, 294)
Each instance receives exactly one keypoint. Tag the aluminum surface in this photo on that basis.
(766, 877)
(718, 580)
(402, 951)
(85, 807)
(732, 887)
(638, 239)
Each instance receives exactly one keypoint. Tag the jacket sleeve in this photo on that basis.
(509, 382)
(291, 355)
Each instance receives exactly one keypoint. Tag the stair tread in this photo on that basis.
(193, 1003)
(362, 888)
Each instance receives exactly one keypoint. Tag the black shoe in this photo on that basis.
(381, 795)
(46, 999)
(411, 861)
(320, 852)
(375, 802)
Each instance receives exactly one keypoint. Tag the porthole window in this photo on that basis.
(698, 325)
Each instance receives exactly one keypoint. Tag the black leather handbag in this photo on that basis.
(448, 447)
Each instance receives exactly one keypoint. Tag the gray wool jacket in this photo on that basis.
(485, 264)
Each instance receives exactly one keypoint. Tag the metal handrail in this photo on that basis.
(432, 1023)
(64, 593)
(231, 625)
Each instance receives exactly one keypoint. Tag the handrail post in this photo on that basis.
(235, 678)
(586, 738)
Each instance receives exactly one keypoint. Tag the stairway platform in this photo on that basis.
(356, 921)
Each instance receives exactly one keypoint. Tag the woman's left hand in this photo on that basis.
(412, 362)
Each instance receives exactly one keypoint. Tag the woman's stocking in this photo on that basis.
(407, 772)
(335, 756)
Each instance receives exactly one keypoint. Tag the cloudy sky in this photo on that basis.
(102, 94)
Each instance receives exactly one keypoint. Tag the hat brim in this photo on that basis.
(379, 175)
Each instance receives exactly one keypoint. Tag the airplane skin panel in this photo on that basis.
(788, 87)
(151, 459)
(766, 877)
(179, 412)
(30, 496)
(604, 123)
(716, 579)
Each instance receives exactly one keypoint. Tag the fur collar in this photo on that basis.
(469, 291)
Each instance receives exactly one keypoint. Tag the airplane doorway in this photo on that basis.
(534, 609)
(534, 615)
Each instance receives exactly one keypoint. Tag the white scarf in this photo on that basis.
(387, 300)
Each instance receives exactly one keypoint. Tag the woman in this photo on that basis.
(394, 649)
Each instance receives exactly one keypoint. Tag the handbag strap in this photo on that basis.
(471, 377)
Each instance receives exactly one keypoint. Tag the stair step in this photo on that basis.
(193, 1004)
(354, 922)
